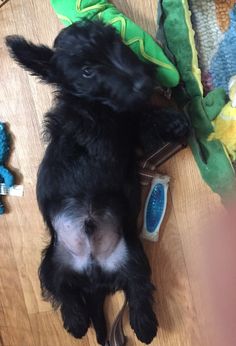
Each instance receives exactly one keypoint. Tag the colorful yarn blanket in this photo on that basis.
(214, 23)
(213, 140)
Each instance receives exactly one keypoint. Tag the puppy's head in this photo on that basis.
(89, 60)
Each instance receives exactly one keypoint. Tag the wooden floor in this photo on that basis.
(25, 320)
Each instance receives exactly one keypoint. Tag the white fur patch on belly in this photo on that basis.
(115, 261)
(76, 249)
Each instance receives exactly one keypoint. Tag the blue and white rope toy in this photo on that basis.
(6, 176)
(155, 207)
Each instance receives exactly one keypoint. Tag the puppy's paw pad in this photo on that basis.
(78, 331)
(144, 325)
(77, 328)
(75, 324)
(101, 338)
(102, 342)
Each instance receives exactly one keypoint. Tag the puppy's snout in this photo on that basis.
(143, 84)
(89, 226)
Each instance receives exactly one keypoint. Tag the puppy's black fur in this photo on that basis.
(88, 188)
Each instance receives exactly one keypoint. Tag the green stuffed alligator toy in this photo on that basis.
(70, 11)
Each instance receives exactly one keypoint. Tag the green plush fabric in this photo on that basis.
(214, 102)
(70, 11)
(177, 34)
(213, 162)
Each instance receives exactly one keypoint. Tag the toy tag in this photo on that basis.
(15, 190)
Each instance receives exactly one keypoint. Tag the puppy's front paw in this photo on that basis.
(144, 323)
(76, 322)
(177, 128)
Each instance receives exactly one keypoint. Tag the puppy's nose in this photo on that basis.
(89, 227)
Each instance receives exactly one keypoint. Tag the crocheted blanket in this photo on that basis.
(214, 23)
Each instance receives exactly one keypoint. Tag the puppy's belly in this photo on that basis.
(80, 247)
(116, 259)
(111, 263)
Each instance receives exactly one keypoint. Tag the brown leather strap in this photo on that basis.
(3, 2)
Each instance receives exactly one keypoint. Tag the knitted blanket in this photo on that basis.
(214, 23)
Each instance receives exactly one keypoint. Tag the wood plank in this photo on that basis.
(193, 204)
(48, 331)
(24, 223)
(15, 328)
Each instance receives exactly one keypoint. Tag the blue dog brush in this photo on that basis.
(155, 207)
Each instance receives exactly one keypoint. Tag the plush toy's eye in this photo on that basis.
(87, 72)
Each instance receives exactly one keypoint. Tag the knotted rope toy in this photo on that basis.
(6, 176)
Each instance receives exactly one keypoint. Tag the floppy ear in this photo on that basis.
(31, 57)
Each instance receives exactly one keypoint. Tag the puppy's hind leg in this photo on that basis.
(139, 294)
(75, 316)
(61, 291)
(95, 303)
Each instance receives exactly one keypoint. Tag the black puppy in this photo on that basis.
(88, 188)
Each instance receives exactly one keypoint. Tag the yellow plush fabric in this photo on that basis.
(225, 129)
(225, 122)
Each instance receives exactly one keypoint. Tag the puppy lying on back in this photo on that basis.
(88, 187)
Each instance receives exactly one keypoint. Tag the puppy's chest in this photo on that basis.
(108, 136)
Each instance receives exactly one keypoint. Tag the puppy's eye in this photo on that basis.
(87, 72)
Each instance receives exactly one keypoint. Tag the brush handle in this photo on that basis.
(155, 207)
